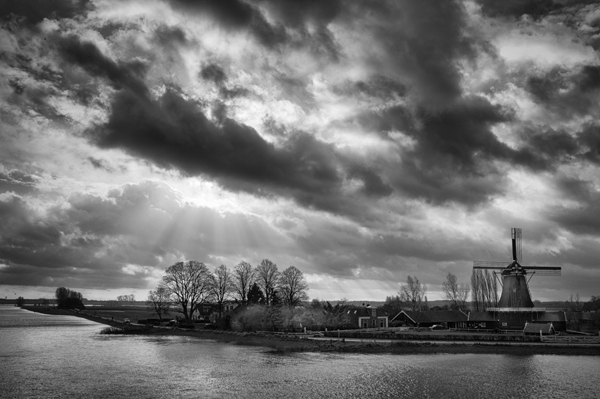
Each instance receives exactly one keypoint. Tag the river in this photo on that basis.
(49, 356)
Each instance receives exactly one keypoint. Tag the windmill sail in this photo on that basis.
(515, 291)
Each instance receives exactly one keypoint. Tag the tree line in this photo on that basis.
(483, 290)
(189, 284)
(68, 299)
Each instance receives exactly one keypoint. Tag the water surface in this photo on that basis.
(49, 356)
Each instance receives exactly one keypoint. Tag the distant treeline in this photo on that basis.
(67, 299)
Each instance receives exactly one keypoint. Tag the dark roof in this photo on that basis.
(481, 316)
(548, 317)
(364, 311)
(581, 315)
(546, 328)
(434, 316)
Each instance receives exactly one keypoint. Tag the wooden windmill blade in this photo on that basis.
(517, 243)
(544, 270)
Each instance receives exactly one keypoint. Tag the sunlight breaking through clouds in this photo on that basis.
(358, 141)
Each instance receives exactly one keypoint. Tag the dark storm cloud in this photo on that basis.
(518, 8)
(214, 73)
(566, 92)
(296, 12)
(584, 218)
(36, 10)
(236, 15)
(17, 86)
(25, 238)
(377, 86)
(384, 122)
(174, 131)
(297, 15)
(429, 39)
(589, 139)
(454, 151)
(169, 35)
(51, 249)
(373, 183)
(287, 25)
(557, 147)
(50, 80)
(537, 9)
(90, 58)
(36, 98)
(109, 28)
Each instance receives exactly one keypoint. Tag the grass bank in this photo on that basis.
(279, 343)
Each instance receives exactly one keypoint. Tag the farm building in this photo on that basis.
(539, 328)
(367, 317)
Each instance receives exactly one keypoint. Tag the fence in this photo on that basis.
(569, 339)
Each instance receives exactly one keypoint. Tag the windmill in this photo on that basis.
(515, 286)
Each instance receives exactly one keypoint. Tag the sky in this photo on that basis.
(359, 141)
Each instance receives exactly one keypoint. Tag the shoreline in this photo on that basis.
(294, 343)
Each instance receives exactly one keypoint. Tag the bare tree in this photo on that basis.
(126, 298)
(267, 278)
(484, 290)
(413, 293)
(159, 300)
(189, 284)
(221, 286)
(293, 286)
(455, 292)
(243, 278)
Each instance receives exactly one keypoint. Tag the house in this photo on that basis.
(517, 319)
(209, 311)
(489, 320)
(539, 328)
(367, 317)
(447, 318)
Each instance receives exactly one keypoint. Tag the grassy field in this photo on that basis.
(119, 313)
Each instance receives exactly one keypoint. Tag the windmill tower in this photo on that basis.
(515, 284)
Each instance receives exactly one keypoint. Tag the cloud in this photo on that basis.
(173, 131)
(582, 217)
(569, 93)
(94, 241)
(454, 153)
(235, 15)
(36, 10)
(429, 43)
(213, 73)
(89, 57)
(18, 182)
(518, 8)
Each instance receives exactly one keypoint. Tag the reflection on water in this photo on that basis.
(52, 356)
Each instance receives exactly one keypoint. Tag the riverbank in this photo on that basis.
(295, 343)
